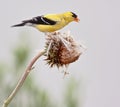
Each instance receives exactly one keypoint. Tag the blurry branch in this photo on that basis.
(22, 79)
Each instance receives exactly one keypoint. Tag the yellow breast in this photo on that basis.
(51, 28)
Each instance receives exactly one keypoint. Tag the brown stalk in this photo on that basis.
(22, 79)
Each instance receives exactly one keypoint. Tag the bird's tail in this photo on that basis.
(19, 25)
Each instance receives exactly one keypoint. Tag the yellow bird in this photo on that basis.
(50, 22)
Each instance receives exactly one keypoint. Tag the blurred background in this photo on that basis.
(94, 80)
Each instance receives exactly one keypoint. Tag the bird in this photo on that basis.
(50, 22)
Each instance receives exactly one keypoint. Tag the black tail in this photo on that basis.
(18, 25)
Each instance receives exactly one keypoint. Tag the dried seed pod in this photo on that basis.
(61, 49)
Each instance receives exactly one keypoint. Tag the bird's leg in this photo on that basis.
(50, 33)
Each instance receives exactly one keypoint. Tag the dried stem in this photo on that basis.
(22, 79)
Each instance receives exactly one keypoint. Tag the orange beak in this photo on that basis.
(76, 19)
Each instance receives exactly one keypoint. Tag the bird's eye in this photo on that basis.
(74, 15)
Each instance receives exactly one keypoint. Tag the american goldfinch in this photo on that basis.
(50, 22)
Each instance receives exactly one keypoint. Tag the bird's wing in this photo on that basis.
(41, 20)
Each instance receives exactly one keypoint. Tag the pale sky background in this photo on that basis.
(98, 68)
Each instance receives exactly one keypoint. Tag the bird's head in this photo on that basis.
(70, 16)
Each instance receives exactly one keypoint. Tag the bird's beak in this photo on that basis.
(76, 19)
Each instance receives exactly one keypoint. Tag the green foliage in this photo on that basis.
(71, 94)
(2, 66)
(21, 52)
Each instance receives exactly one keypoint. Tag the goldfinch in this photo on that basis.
(50, 22)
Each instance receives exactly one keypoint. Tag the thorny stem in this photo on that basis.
(22, 79)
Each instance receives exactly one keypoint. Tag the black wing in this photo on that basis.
(40, 20)
(36, 20)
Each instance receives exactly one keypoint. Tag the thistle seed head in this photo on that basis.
(61, 49)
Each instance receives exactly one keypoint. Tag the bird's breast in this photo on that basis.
(51, 28)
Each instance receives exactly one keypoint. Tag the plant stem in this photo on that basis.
(22, 79)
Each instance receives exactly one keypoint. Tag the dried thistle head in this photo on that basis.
(61, 49)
